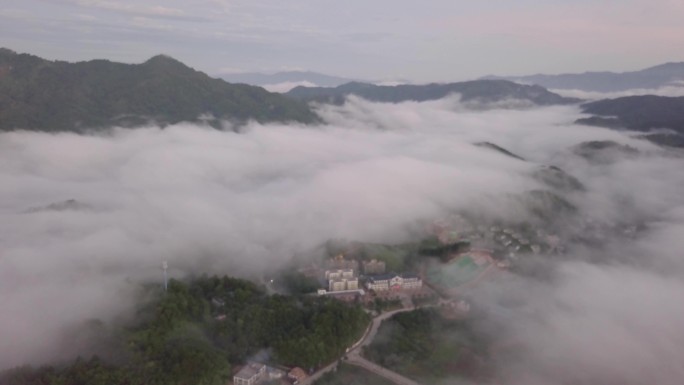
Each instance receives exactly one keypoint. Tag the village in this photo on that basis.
(442, 283)
(436, 273)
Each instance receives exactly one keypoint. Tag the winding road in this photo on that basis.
(354, 357)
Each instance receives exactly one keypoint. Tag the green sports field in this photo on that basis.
(453, 274)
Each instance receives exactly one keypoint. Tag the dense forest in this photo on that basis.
(38, 94)
(641, 113)
(196, 332)
(429, 348)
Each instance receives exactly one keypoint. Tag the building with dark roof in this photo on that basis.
(393, 281)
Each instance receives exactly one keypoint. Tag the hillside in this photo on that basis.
(486, 91)
(38, 94)
(499, 149)
(195, 332)
(653, 77)
(641, 113)
(604, 151)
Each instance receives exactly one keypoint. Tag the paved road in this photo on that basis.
(379, 370)
(354, 355)
(312, 378)
(367, 337)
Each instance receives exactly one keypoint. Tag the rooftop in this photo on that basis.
(388, 276)
(297, 373)
(249, 371)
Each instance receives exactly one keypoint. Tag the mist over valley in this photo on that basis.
(260, 193)
(87, 219)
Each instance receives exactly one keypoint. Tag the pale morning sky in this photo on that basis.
(427, 40)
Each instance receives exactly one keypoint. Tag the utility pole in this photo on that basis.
(165, 266)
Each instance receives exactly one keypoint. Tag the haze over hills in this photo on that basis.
(182, 219)
(487, 91)
(641, 113)
(38, 94)
(263, 79)
(649, 78)
(88, 219)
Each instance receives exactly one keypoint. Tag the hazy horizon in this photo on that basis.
(382, 40)
(581, 204)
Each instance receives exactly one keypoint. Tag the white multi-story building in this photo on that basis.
(339, 274)
(342, 284)
(411, 282)
(341, 280)
(250, 374)
(394, 282)
(337, 285)
(377, 283)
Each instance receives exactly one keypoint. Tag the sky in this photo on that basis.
(241, 203)
(435, 40)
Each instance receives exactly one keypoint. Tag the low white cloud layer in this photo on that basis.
(673, 90)
(239, 203)
(593, 323)
(286, 86)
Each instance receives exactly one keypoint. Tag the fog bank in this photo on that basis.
(241, 203)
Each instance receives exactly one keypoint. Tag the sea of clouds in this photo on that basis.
(674, 89)
(245, 201)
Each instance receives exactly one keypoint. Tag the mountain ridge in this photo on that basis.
(606, 81)
(470, 91)
(640, 113)
(38, 94)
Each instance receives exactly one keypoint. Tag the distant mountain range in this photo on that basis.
(486, 91)
(261, 79)
(640, 113)
(649, 78)
(39, 94)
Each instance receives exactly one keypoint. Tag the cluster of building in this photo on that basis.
(512, 241)
(503, 239)
(255, 373)
(340, 262)
(385, 282)
(341, 280)
(373, 267)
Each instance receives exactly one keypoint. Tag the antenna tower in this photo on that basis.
(165, 266)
